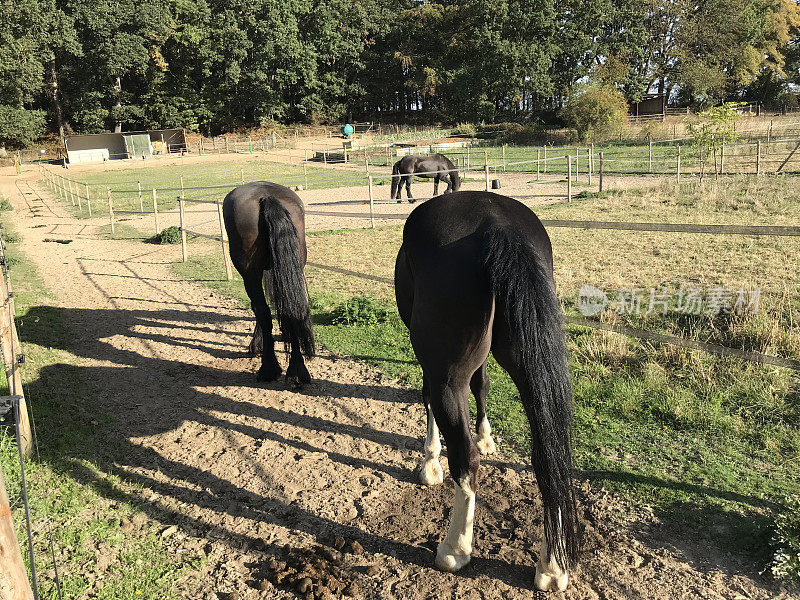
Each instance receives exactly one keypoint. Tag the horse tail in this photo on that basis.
(395, 178)
(284, 280)
(522, 285)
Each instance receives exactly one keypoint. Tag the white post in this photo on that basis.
(371, 203)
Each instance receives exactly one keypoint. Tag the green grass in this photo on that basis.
(77, 503)
(707, 440)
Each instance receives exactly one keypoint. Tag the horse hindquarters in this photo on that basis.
(528, 342)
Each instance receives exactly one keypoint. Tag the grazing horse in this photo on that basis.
(437, 166)
(474, 274)
(267, 240)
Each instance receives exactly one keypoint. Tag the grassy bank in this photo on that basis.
(708, 441)
(104, 544)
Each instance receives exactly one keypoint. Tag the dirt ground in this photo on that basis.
(276, 485)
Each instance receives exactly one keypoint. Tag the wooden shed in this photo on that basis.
(99, 147)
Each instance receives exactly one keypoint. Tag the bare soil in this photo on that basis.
(311, 493)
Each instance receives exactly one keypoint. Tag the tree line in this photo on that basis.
(216, 65)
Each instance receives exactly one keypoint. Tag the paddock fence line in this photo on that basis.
(12, 567)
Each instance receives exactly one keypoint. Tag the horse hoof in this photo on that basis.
(449, 561)
(297, 375)
(269, 372)
(412, 201)
(551, 582)
(430, 472)
(399, 201)
(486, 445)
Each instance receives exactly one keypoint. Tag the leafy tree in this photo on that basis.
(597, 113)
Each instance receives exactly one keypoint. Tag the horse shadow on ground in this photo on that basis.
(135, 396)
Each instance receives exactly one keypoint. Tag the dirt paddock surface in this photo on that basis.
(311, 493)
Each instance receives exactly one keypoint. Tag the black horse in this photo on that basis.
(266, 233)
(436, 166)
(475, 274)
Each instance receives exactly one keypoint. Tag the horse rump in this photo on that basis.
(284, 280)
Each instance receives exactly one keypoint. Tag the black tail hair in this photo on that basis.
(522, 285)
(395, 179)
(284, 281)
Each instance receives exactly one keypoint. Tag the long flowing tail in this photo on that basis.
(523, 286)
(285, 282)
(395, 179)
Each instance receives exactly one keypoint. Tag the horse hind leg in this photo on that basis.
(270, 369)
(408, 190)
(297, 372)
(479, 384)
(436, 186)
(463, 457)
(430, 470)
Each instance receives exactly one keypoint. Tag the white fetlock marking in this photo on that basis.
(456, 549)
(430, 472)
(549, 576)
(485, 443)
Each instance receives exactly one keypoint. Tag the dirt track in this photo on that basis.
(264, 478)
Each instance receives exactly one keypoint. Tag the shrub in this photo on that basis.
(5, 204)
(598, 113)
(466, 129)
(786, 560)
(20, 127)
(170, 235)
(359, 310)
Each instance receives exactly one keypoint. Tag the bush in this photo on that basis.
(359, 310)
(786, 560)
(466, 129)
(5, 204)
(598, 113)
(20, 127)
(170, 235)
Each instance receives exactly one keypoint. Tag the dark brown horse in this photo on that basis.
(436, 166)
(267, 239)
(475, 275)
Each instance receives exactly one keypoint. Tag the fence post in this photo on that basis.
(589, 164)
(110, 208)
(591, 156)
(678, 166)
(504, 158)
(200, 147)
(12, 569)
(569, 177)
(139, 188)
(467, 157)
(649, 154)
(181, 210)
(544, 148)
(366, 161)
(88, 200)
(68, 190)
(758, 157)
(305, 171)
(224, 241)
(600, 189)
(345, 154)
(538, 159)
(371, 203)
(76, 194)
(722, 160)
(486, 170)
(155, 210)
(577, 157)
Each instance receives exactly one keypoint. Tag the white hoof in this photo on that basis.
(430, 472)
(486, 445)
(551, 581)
(448, 560)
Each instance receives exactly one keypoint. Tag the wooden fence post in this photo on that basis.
(371, 203)
(155, 211)
(544, 149)
(467, 157)
(577, 157)
(305, 171)
(722, 160)
(678, 166)
(589, 164)
(649, 154)
(12, 569)
(223, 239)
(77, 194)
(200, 146)
(538, 165)
(227, 150)
(110, 208)
(569, 177)
(486, 170)
(241, 174)
(366, 161)
(181, 215)
(504, 158)
(68, 190)
(758, 157)
(88, 200)
(600, 175)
